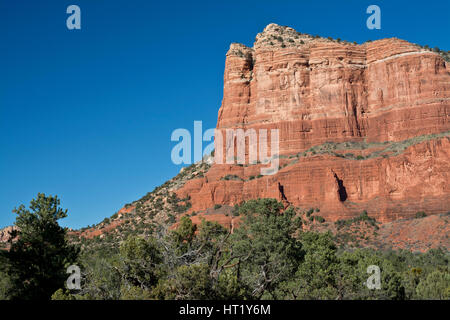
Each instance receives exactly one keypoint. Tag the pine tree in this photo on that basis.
(37, 261)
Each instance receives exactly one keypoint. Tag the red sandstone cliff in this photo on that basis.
(362, 127)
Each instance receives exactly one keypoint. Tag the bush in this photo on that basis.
(171, 218)
(235, 211)
(420, 214)
(62, 294)
(231, 177)
(435, 286)
(319, 219)
(217, 206)
(362, 217)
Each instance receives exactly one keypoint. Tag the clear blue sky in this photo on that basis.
(88, 114)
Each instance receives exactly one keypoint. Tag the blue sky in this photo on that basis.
(87, 114)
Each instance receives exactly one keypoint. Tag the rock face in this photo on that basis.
(361, 127)
(5, 237)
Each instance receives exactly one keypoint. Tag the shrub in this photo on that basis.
(230, 177)
(435, 286)
(171, 218)
(235, 211)
(217, 206)
(362, 217)
(182, 208)
(319, 218)
(420, 214)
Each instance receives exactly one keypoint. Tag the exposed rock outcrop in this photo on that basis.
(361, 127)
(5, 233)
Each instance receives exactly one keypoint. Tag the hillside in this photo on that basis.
(364, 132)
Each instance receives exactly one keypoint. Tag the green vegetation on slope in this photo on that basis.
(269, 256)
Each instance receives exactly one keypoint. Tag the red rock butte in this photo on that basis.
(361, 127)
